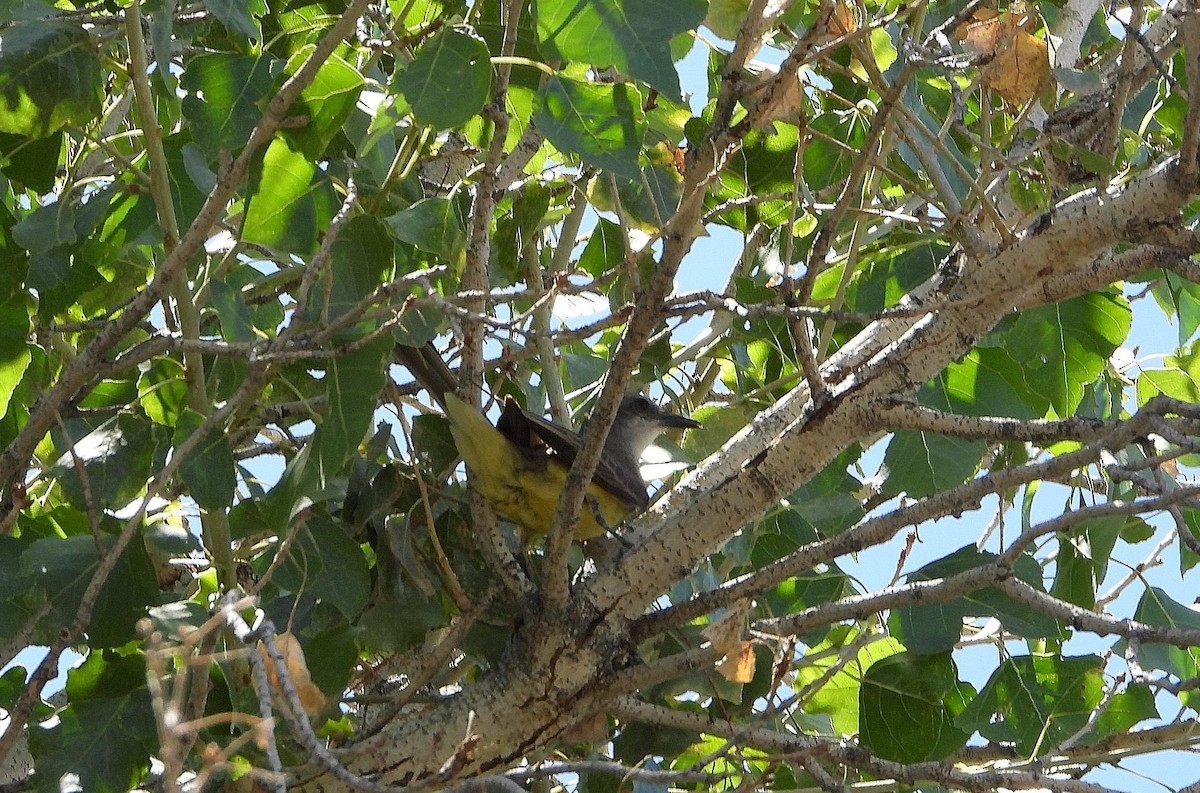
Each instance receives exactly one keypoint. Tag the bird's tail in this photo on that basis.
(428, 369)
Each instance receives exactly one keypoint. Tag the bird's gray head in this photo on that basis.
(638, 422)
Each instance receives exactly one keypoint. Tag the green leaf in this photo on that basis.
(632, 35)
(50, 76)
(32, 163)
(1064, 347)
(331, 654)
(604, 250)
(433, 225)
(47, 227)
(838, 695)
(63, 567)
(360, 261)
(236, 324)
(207, 470)
(1125, 709)
(225, 92)
(15, 353)
(116, 461)
(449, 80)
(106, 733)
(354, 381)
(162, 390)
(921, 463)
(985, 382)
(289, 201)
(1074, 576)
(602, 124)
(1036, 702)
(238, 15)
(936, 627)
(1180, 379)
(325, 562)
(325, 104)
(1156, 607)
(907, 707)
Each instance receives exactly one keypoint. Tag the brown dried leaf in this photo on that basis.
(738, 666)
(1018, 72)
(726, 632)
(843, 20)
(985, 32)
(311, 697)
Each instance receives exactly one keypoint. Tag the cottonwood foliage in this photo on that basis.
(909, 263)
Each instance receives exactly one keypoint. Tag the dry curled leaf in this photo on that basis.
(1016, 63)
(738, 666)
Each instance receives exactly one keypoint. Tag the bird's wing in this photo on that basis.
(529, 430)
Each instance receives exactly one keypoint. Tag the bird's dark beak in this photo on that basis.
(673, 421)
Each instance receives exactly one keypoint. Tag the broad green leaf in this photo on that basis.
(985, 382)
(725, 17)
(106, 734)
(239, 15)
(830, 502)
(50, 76)
(603, 124)
(882, 48)
(1156, 607)
(907, 707)
(632, 35)
(936, 627)
(225, 94)
(921, 463)
(449, 80)
(433, 443)
(289, 201)
(236, 324)
(838, 695)
(1064, 347)
(1180, 298)
(31, 162)
(62, 567)
(1187, 557)
(325, 562)
(325, 103)
(162, 390)
(15, 354)
(420, 323)
(116, 461)
(354, 381)
(360, 261)
(1125, 709)
(1074, 575)
(47, 227)
(1179, 379)
(208, 469)
(332, 654)
(1036, 702)
(433, 225)
(604, 249)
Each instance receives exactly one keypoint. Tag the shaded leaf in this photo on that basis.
(208, 469)
(50, 76)
(602, 124)
(449, 80)
(632, 35)
(907, 707)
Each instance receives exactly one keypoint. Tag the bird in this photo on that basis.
(520, 464)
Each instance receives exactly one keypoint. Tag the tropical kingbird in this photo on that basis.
(520, 465)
